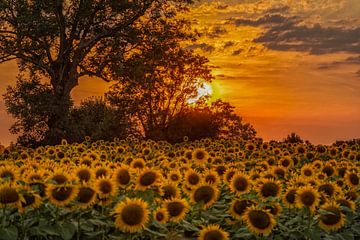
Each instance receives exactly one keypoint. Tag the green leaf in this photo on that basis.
(9, 233)
(67, 230)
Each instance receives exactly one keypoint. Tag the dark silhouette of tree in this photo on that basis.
(156, 85)
(293, 138)
(96, 119)
(30, 102)
(64, 40)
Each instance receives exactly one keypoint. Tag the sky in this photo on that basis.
(286, 65)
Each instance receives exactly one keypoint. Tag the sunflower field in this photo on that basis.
(208, 190)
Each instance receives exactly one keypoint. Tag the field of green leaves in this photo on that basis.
(208, 190)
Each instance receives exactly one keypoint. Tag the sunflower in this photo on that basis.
(102, 172)
(206, 194)
(105, 187)
(269, 188)
(147, 178)
(344, 202)
(30, 199)
(8, 173)
(138, 163)
(329, 189)
(174, 176)
(274, 208)
(161, 215)
(259, 221)
(61, 195)
(84, 173)
(211, 177)
(229, 174)
(352, 179)
(307, 197)
(9, 196)
(289, 197)
(169, 190)
(332, 219)
(86, 196)
(240, 183)
(59, 178)
(213, 232)
(238, 207)
(200, 156)
(279, 171)
(122, 176)
(328, 170)
(176, 208)
(307, 170)
(131, 215)
(192, 178)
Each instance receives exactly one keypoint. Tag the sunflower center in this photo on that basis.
(241, 184)
(29, 199)
(123, 177)
(241, 206)
(102, 172)
(85, 194)
(290, 196)
(8, 195)
(160, 216)
(7, 175)
(307, 198)
(205, 194)
(169, 192)
(105, 187)
(200, 155)
(193, 179)
(269, 189)
(147, 178)
(259, 219)
(354, 179)
(213, 235)
(175, 208)
(59, 179)
(61, 193)
(333, 218)
(132, 214)
(328, 189)
(328, 170)
(174, 177)
(210, 179)
(84, 175)
(307, 172)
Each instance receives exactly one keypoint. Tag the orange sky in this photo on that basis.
(287, 65)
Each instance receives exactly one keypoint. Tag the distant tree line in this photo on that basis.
(139, 45)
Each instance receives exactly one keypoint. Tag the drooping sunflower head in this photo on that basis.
(240, 183)
(213, 232)
(329, 189)
(307, 197)
(176, 208)
(206, 194)
(259, 221)
(289, 197)
(331, 217)
(352, 179)
(131, 215)
(344, 202)
(239, 206)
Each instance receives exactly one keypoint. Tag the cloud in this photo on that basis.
(213, 32)
(268, 19)
(228, 44)
(237, 52)
(203, 46)
(334, 64)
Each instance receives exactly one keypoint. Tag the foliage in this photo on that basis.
(62, 41)
(293, 138)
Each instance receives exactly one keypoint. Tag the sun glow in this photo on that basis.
(203, 91)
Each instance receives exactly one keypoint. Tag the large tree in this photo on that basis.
(63, 40)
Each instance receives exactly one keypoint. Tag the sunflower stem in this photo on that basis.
(3, 224)
(78, 226)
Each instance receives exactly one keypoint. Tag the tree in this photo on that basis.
(96, 119)
(293, 138)
(156, 85)
(64, 40)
